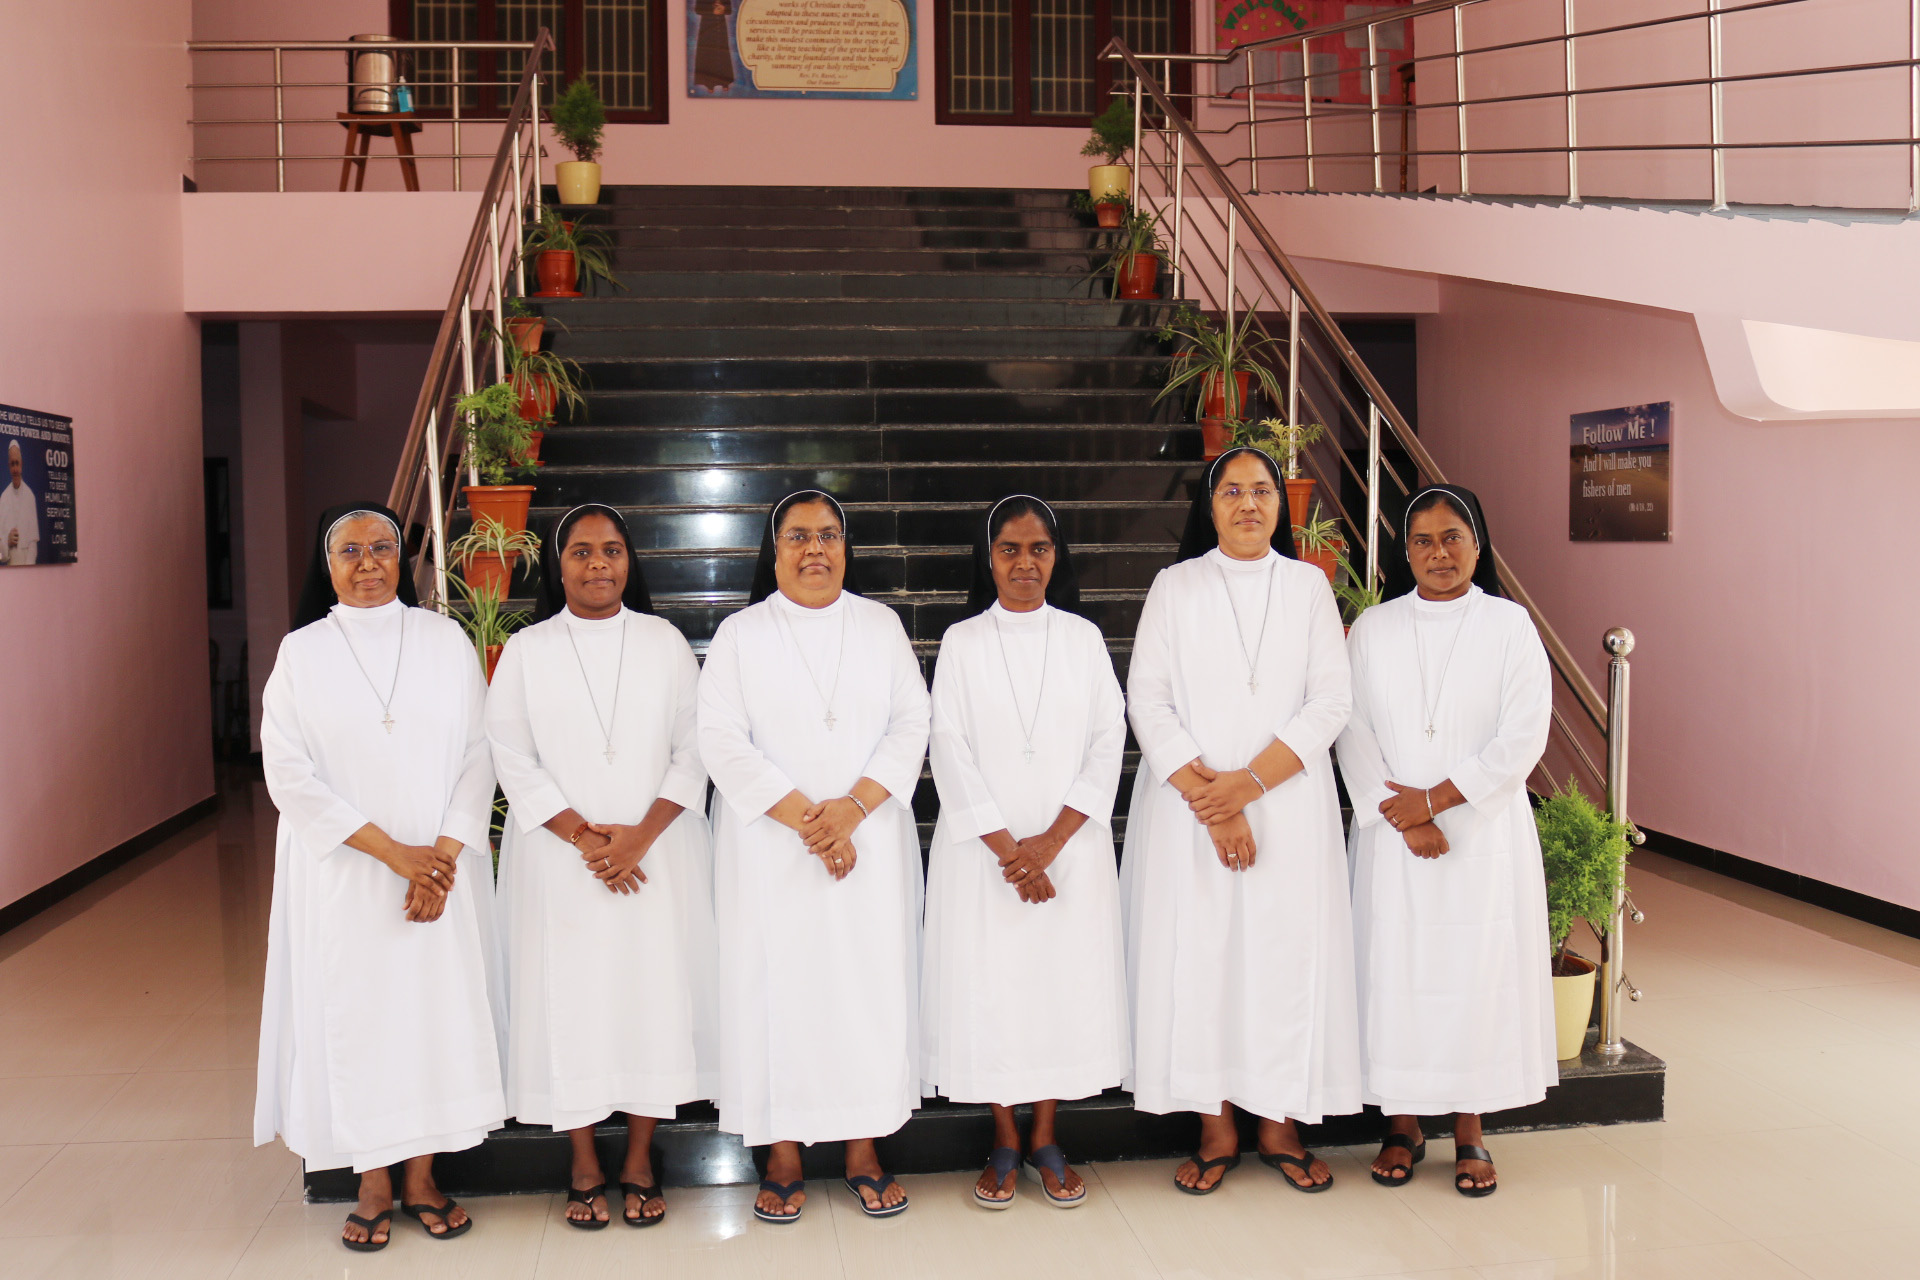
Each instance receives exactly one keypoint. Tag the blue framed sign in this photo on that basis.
(36, 490)
(802, 49)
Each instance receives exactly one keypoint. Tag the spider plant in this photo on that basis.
(489, 537)
(1211, 352)
(1351, 588)
(1282, 443)
(588, 245)
(549, 378)
(487, 622)
(1321, 532)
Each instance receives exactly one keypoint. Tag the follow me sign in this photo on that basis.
(1620, 474)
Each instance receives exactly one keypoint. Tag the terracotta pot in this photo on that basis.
(1299, 496)
(1109, 213)
(577, 181)
(491, 573)
(555, 270)
(1215, 392)
(536, 396)
(506, 503)
(1328, 560)
(1215, 435)
(1572, 1006)
(1139, 276)
(1109, 181)
(527, 332)
(531, 456)
(493, 659)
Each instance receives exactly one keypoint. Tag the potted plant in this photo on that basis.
(544, 380)
(1136, 256)
(1112, 138)
(487, 625)
(497, 441)
(486, 554)
(578, 118)
(1318, 542)
(565, 257)
(1107, 211)
(1223, 364)
(1584, 852)
(1283, 444)
(526, 325)
(1354, 593)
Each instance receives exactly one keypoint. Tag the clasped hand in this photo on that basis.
(1410, 813)
(612, 852)
(1024, 866)
(1231, 833)
(827, 830)
(1221, 795)
(429, 871)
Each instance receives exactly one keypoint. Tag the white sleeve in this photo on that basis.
(685, 781)
(966, 805)
(895, 763)
(751, 783)
(533, 793)
(1489, 779)
(1329, 695)
(1363, 766)
(320, 820)
(1092, 793)
(469, 815)
(1165, 744)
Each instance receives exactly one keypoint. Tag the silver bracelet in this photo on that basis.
(856, 800)
(1256, 780)
(1429, 795)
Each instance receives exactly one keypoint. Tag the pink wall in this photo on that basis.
(1774, 682)
(106, 696)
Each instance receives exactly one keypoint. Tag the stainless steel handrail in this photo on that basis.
(454, 118)
(435, 445)
(1301, 117)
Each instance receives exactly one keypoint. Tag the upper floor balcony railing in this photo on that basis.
(267, 115)
(1757, 102)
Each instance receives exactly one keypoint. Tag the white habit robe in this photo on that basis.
(611, 996)
(1241, 981)
(819, 978)
(1020, 1001)
(20, 513)
(378, 1037)
(1455, 996)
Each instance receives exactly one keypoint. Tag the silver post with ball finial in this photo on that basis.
(1613, 978)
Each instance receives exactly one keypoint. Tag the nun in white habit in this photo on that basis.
(1239, 933)
(1023, 990)
(606, 879)
(378, 1034)
(813, 723)
(1451, 702)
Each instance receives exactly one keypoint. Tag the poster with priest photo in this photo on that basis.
(36, 504)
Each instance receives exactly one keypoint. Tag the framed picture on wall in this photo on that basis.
(36, 504)
(1621, 475)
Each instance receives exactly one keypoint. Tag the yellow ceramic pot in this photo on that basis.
(1109, 182)
(578, 180)
(1572, 1008)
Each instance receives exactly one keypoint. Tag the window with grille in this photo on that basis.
(620, 45)
(1035, 61)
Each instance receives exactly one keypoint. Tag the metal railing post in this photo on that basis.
(436, 517)
(455, 98)
(1233, 252)
(1373, 491)
(1613, 978)
(1373, 98)
(1306, 101)
(1253, 136)
(1573, 122)
(1717, 106)
(1913, 106)
(1460, 95)
(533, 129)
(279, 125)
(497, 284)
(1133, 177)
(1179, 211)
(519, 223)
(1293, 370)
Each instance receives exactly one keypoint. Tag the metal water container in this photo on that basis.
(371, 76)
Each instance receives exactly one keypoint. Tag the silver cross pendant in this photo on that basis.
(387, 721)
(828, 720)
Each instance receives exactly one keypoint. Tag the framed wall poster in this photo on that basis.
(802, 49)
(36, 504)
(1337, 65)
(1621, 475)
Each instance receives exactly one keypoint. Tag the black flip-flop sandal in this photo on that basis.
(645, 1194)
(370, 1245)
(786, 1191)
(1227, 1164)
(1470, 1152)
(1396, 1141)
(1304, 1164)
(590, 1222)
(440, 1211)
(879, 1187)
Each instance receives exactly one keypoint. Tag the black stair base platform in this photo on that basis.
(943, 1136)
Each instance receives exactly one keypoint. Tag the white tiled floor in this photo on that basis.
(128, 1018)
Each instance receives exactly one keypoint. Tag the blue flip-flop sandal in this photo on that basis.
(1054, 1161)
(1003, 1161)
(786, 1191)
(879, 1187)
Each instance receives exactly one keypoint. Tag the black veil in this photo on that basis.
(552, 596)
(764, 582)
(1394, 566)
(1201, 537)
(1063, 588)
(316, 593)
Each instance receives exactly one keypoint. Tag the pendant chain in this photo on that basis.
(386, 704)
(1432, 708)
(1252, 659)
(1045, 648)
(840, 661)
(619, 671)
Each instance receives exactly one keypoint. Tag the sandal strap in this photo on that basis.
(876, 1185)
(785, 1190)
(1203, 1165)
(1052, 1159)
(385, 1215)
(1394, 1141)
(1303, 1163)
(648, 1193)
(442, 1211)
(587, 1197)
(1003, 1161)
(1470, 1152)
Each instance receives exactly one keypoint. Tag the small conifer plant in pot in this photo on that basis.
(1584, 852)
(1112, 138)
(579, 119)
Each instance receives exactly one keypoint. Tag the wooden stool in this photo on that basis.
(368, 125)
